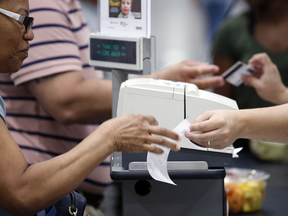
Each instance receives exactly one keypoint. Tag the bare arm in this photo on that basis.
(223, 127)
(45, 183)
(68, 98)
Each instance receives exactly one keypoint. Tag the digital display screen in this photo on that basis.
(113, 51)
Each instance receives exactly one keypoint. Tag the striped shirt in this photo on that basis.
(60, 45)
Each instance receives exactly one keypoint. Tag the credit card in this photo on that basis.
(234, 73)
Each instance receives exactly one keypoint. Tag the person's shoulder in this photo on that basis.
(233, 22)
(227, 35)
(232, 26)
(37, 4)
(53, 11)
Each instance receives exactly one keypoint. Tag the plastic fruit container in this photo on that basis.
(269, 151)
(245, 189)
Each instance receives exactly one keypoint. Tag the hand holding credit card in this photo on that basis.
(234, 73)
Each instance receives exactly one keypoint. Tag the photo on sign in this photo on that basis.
(130, 18)
(130, 9)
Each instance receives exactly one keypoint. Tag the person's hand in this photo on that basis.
(134, 133)
(266, 79)
(220, 127)
(192, 72)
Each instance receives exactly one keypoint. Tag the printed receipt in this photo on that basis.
(157, 163)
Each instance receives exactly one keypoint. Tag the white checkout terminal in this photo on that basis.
(199, 190)
(171, 102)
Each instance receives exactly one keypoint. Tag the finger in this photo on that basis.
(214, 145)
(151, 120)
(211, 137)
(163, 132)
(258, 69)
(257, 73)
(259, 57)
(205, 69)
(255, 63)
(208, 82)
(191, 63)
(219, 143)
(200, 138)
(162, 141)
(203, 128)
(251, 81)
(152, 148)
(203, 117)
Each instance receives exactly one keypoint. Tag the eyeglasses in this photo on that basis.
(25, 20)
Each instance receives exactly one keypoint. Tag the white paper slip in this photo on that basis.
(234, 73)
(236, 151)
(157, 163)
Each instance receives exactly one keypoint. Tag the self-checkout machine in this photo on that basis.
(198, 172)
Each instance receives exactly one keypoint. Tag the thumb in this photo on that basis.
(251, 81)
(205, 116)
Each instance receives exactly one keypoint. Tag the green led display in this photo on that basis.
(113, 51)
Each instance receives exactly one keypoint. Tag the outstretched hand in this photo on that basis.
(220, 127)
(192, 72)
(266, 80)
(135, 133)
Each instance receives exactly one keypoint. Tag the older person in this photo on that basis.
(26, 190)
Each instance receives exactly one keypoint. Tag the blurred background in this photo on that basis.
(183, 29)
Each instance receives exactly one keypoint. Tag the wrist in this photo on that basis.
(106, 132)
(162, 74)
(283, 96)
(243, 124)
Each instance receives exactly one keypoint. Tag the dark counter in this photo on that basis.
(276, 198)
